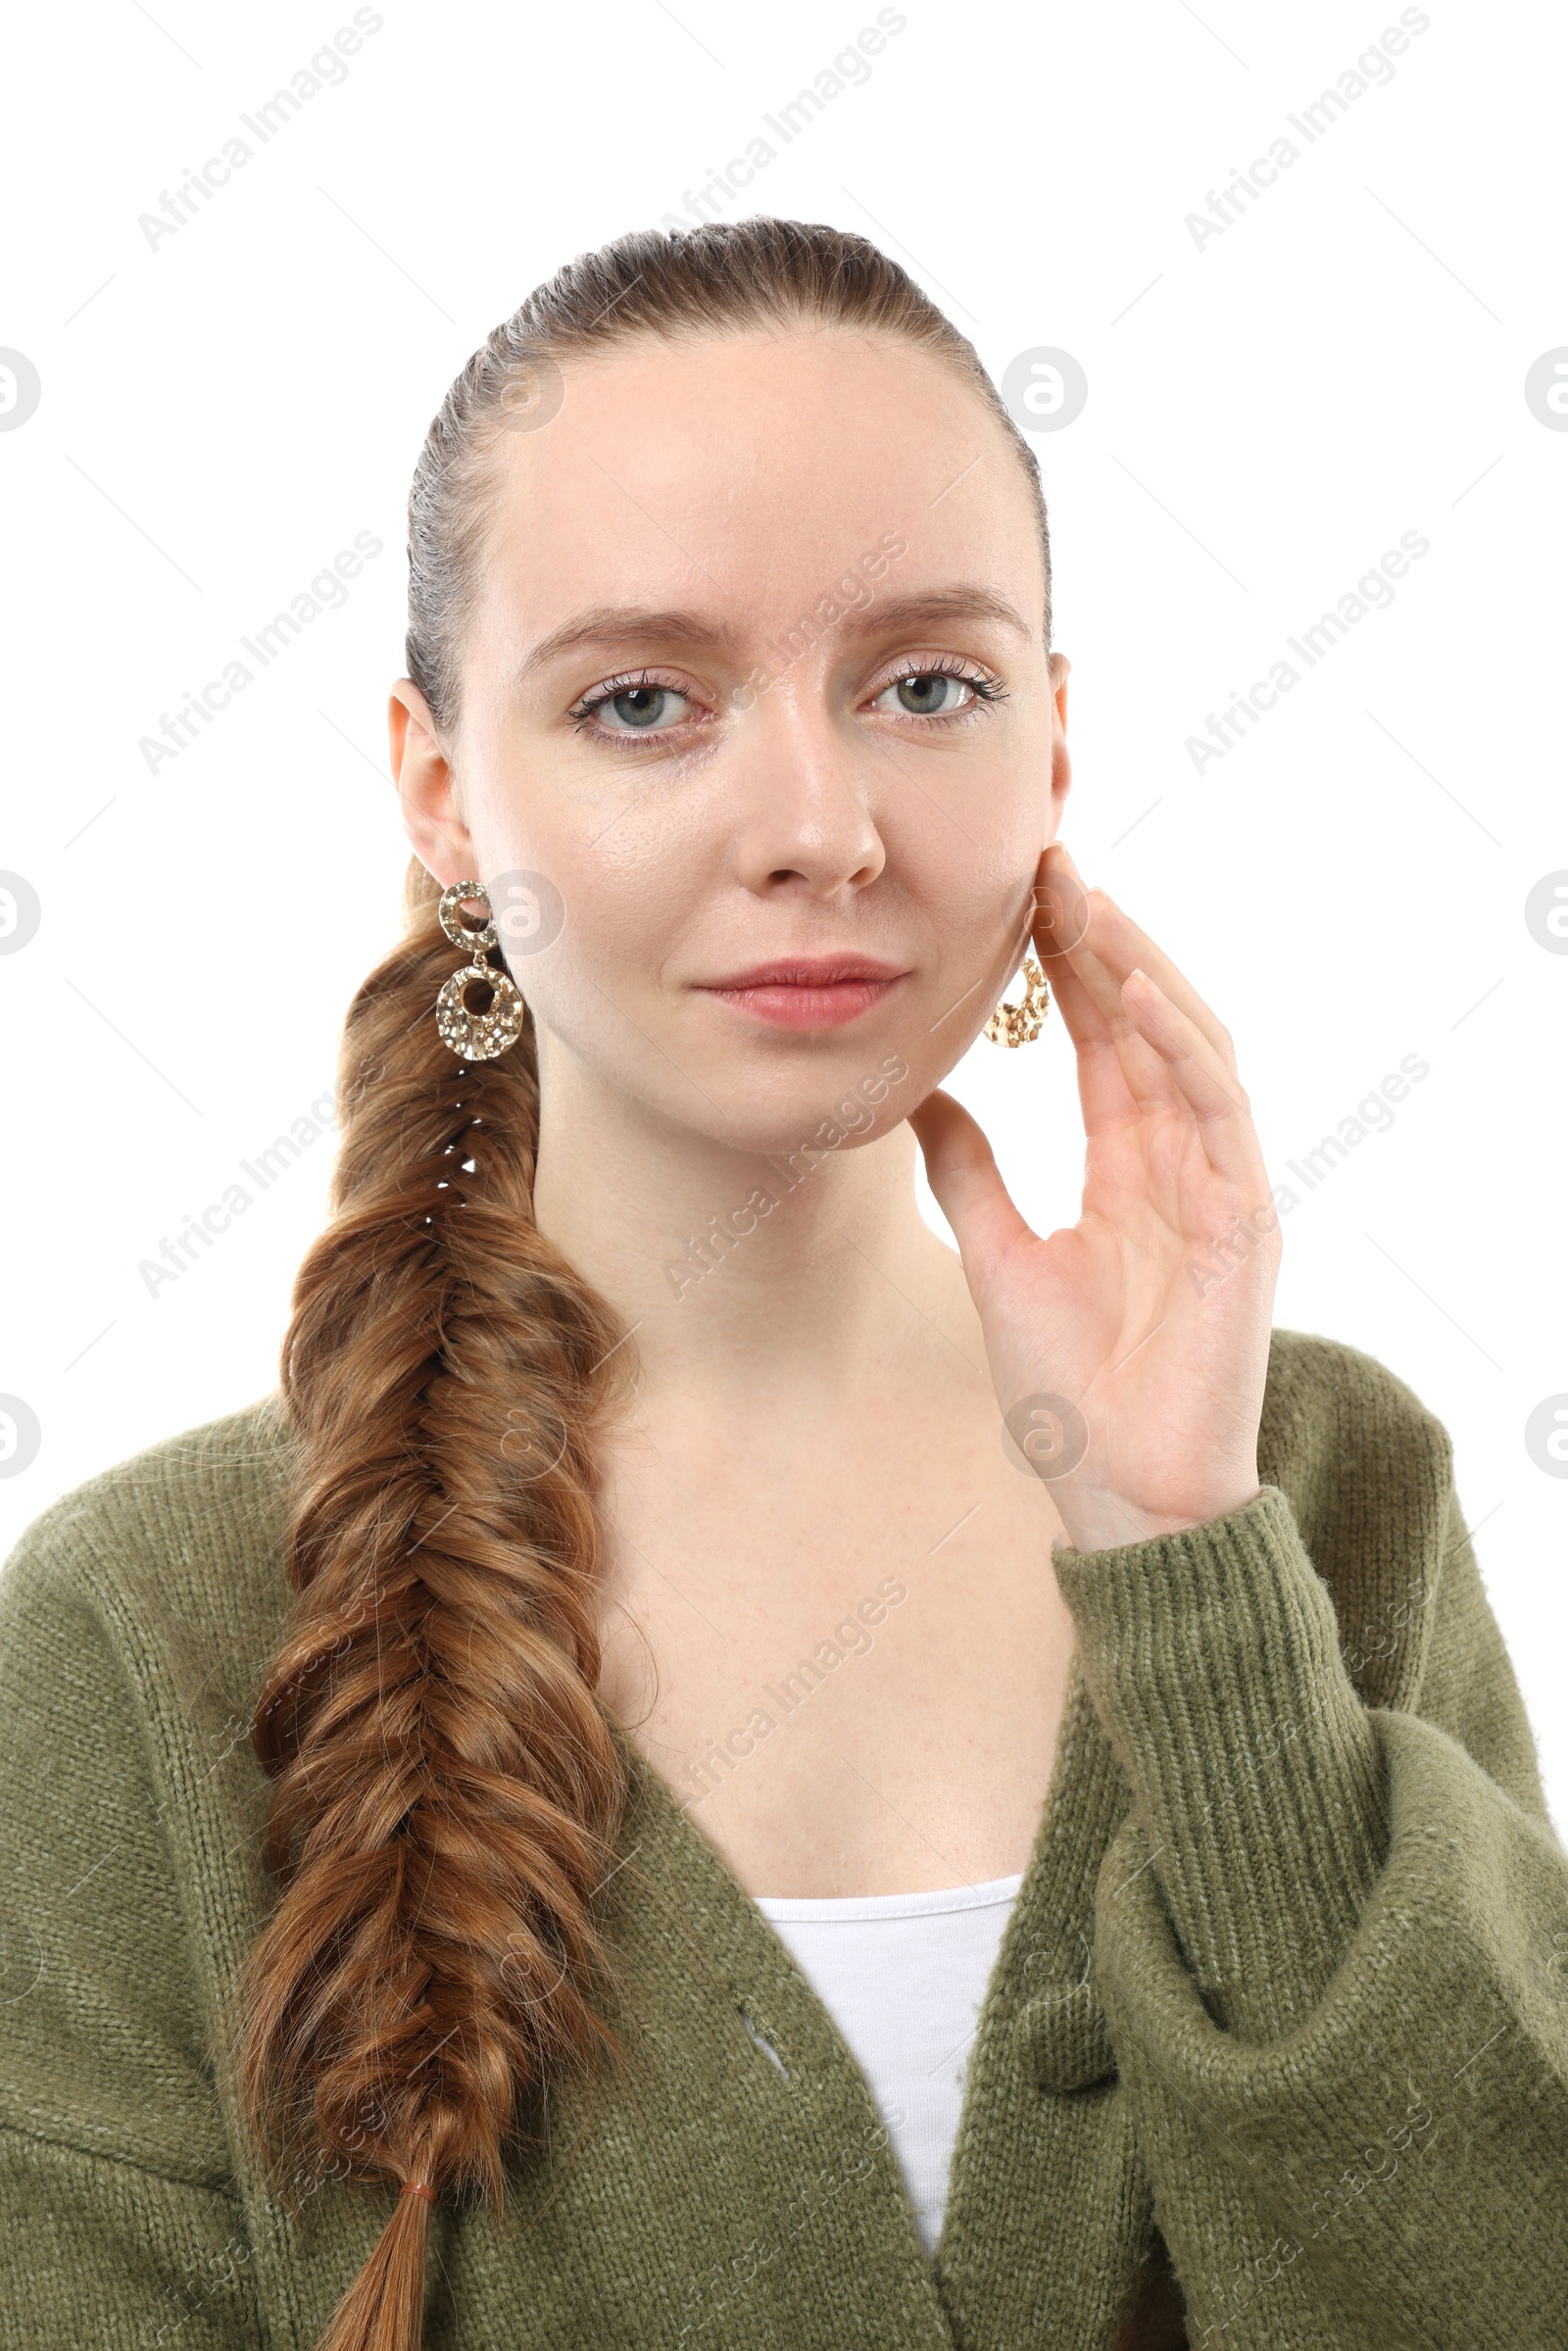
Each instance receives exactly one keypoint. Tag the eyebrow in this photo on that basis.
(607, 626)
(961, 602)
(611, 624)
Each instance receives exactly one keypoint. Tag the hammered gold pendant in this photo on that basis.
(1021, 1024)
(479, 1012)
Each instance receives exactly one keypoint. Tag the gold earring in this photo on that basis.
(477, 1032)
(1021, 1024)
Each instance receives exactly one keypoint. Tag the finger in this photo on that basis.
(1091, 1006)
(1210, 1090)
(1123, 944)
(1120, 1075)
(1086, 925)
(965, 1181)
(1073, 928)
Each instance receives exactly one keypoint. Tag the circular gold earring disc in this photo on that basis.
(1021, 1024)
(479, 1036)
(451, 922)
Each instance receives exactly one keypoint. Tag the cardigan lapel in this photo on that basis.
(1037, 2103)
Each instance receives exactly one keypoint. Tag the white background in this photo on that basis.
(1267, 413)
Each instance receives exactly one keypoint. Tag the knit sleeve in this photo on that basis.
(119, 2223)
(1331, 1936)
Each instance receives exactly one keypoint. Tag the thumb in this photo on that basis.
(965, 1181)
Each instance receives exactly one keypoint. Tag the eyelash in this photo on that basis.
(987, 690)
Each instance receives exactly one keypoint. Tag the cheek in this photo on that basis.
(549, 854)
(616, 922)
(968, 856)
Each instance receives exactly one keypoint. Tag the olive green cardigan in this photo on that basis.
(1275, 2049)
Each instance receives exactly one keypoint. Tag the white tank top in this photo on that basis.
(904, 1978)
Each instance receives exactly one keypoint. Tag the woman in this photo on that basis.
(707, 1771)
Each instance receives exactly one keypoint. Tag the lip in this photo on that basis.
(807, 992)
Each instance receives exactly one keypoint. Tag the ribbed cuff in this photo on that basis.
(1213, 1657)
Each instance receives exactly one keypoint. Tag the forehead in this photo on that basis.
(747, 472)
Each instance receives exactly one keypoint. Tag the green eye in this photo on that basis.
(930, 694)
(636, 708)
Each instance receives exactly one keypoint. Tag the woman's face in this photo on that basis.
(755, 678)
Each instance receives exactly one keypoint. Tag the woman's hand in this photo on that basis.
(1129, 1351)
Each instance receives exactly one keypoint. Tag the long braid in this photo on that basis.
(447, 1793)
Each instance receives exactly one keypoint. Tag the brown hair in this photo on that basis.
(447, 1792)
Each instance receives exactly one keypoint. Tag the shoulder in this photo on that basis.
(237, 1454)
(136, 1615)
(179, 1549)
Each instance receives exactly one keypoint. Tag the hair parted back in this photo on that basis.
(447, 1793)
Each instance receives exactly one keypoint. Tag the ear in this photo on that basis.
(1060, 762)
(426, 789)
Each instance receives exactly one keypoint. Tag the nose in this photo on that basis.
(802, 802)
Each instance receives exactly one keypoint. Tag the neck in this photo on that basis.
(800, 1271)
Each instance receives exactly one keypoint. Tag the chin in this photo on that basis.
(808, 1113)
